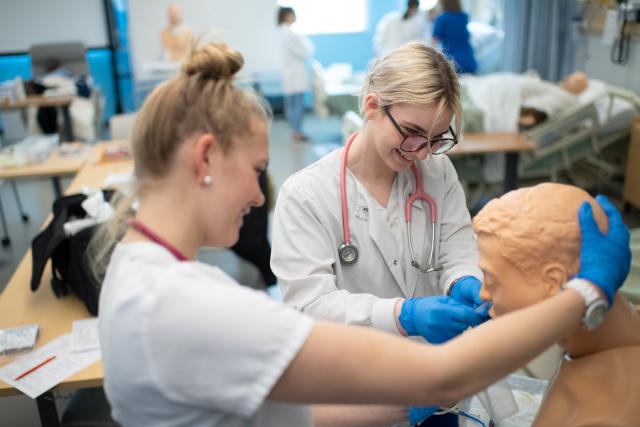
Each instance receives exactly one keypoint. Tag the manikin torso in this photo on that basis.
(529, 242)
(600, 384)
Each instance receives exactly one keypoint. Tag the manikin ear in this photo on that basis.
(554, 275)
(205, 153)
(371, 105)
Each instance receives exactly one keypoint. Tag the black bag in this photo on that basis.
(70, 267)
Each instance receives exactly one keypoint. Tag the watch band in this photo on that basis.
(586, 290)
(596, 306)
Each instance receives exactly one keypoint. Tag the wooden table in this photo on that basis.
(54, 167)
(19, 306)
(511, 144)
(62, 102)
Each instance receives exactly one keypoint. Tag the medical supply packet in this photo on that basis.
(18, 338)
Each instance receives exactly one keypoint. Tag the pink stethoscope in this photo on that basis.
(348, 253)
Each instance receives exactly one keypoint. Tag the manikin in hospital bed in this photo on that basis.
(568, 122)
(509, 102)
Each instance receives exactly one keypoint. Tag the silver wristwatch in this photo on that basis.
(596, 307)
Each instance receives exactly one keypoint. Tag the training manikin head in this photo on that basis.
(174, 15)
(529, 243)
(575, 82)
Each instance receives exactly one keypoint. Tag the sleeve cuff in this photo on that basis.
(383, 315)
(448, 286)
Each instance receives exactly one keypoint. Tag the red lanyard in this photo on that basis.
(141, 228)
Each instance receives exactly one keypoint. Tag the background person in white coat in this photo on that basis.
(296, 50)
(184, 345)
(395, 29)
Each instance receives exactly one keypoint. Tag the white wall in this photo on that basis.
(246, 25)
(27, 22)
(593, 57)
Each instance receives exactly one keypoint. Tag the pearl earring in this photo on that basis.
(207, 180)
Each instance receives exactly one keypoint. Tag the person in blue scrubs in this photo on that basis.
(450, 31)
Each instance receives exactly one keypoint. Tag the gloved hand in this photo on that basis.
(437, 319)
(466, 290)
(604, 259)
(418, 414)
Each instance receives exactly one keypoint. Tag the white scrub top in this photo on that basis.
(393, 31)
(296, 49)
(307, 232)
(185, 345)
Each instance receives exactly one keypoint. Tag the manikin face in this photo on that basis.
(174, 15)
(236, 184)
(506, 286)
(412, 119)
(576, 82)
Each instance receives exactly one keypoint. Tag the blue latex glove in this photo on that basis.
(604, 259)
(437, 319)
(466, 290)
(418, 414)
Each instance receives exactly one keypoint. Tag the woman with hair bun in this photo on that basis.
(184, 345)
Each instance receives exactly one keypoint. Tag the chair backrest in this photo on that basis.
(351, 122)
(121, 125)
(318, 87)
(71, 55)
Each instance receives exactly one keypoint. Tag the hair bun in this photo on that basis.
(213, 61)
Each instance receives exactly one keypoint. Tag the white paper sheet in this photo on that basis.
(118, 178)
(51, 374)
(84, 335)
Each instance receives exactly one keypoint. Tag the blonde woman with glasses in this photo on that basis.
(377, 233)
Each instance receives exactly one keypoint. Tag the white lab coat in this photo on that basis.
(296, 49)
(393, 31)
(307, 232)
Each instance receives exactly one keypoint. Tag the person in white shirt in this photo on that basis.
(296, 50)
(184, 345)
(395, 29)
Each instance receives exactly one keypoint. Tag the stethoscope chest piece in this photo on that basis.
(348, 254)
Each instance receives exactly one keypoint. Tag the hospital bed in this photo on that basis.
(583, 145)
(583, 134)
(631, 287)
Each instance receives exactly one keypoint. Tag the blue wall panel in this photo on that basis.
(12, 66)
(100, 68)
(354, 48)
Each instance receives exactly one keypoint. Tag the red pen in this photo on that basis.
(24, 374)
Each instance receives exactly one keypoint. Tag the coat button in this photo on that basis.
(395, 262)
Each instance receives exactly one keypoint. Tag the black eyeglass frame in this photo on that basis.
(427, 143)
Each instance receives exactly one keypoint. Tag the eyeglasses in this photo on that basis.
(412, 142)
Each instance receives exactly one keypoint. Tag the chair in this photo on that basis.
(88, 408)
(318, 86)
(71, 56)
(351, 122)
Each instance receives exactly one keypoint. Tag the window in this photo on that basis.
(328, 16)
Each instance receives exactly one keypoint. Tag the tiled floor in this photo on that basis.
(286, 157)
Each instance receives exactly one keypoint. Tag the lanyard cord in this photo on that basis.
(149, 234)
